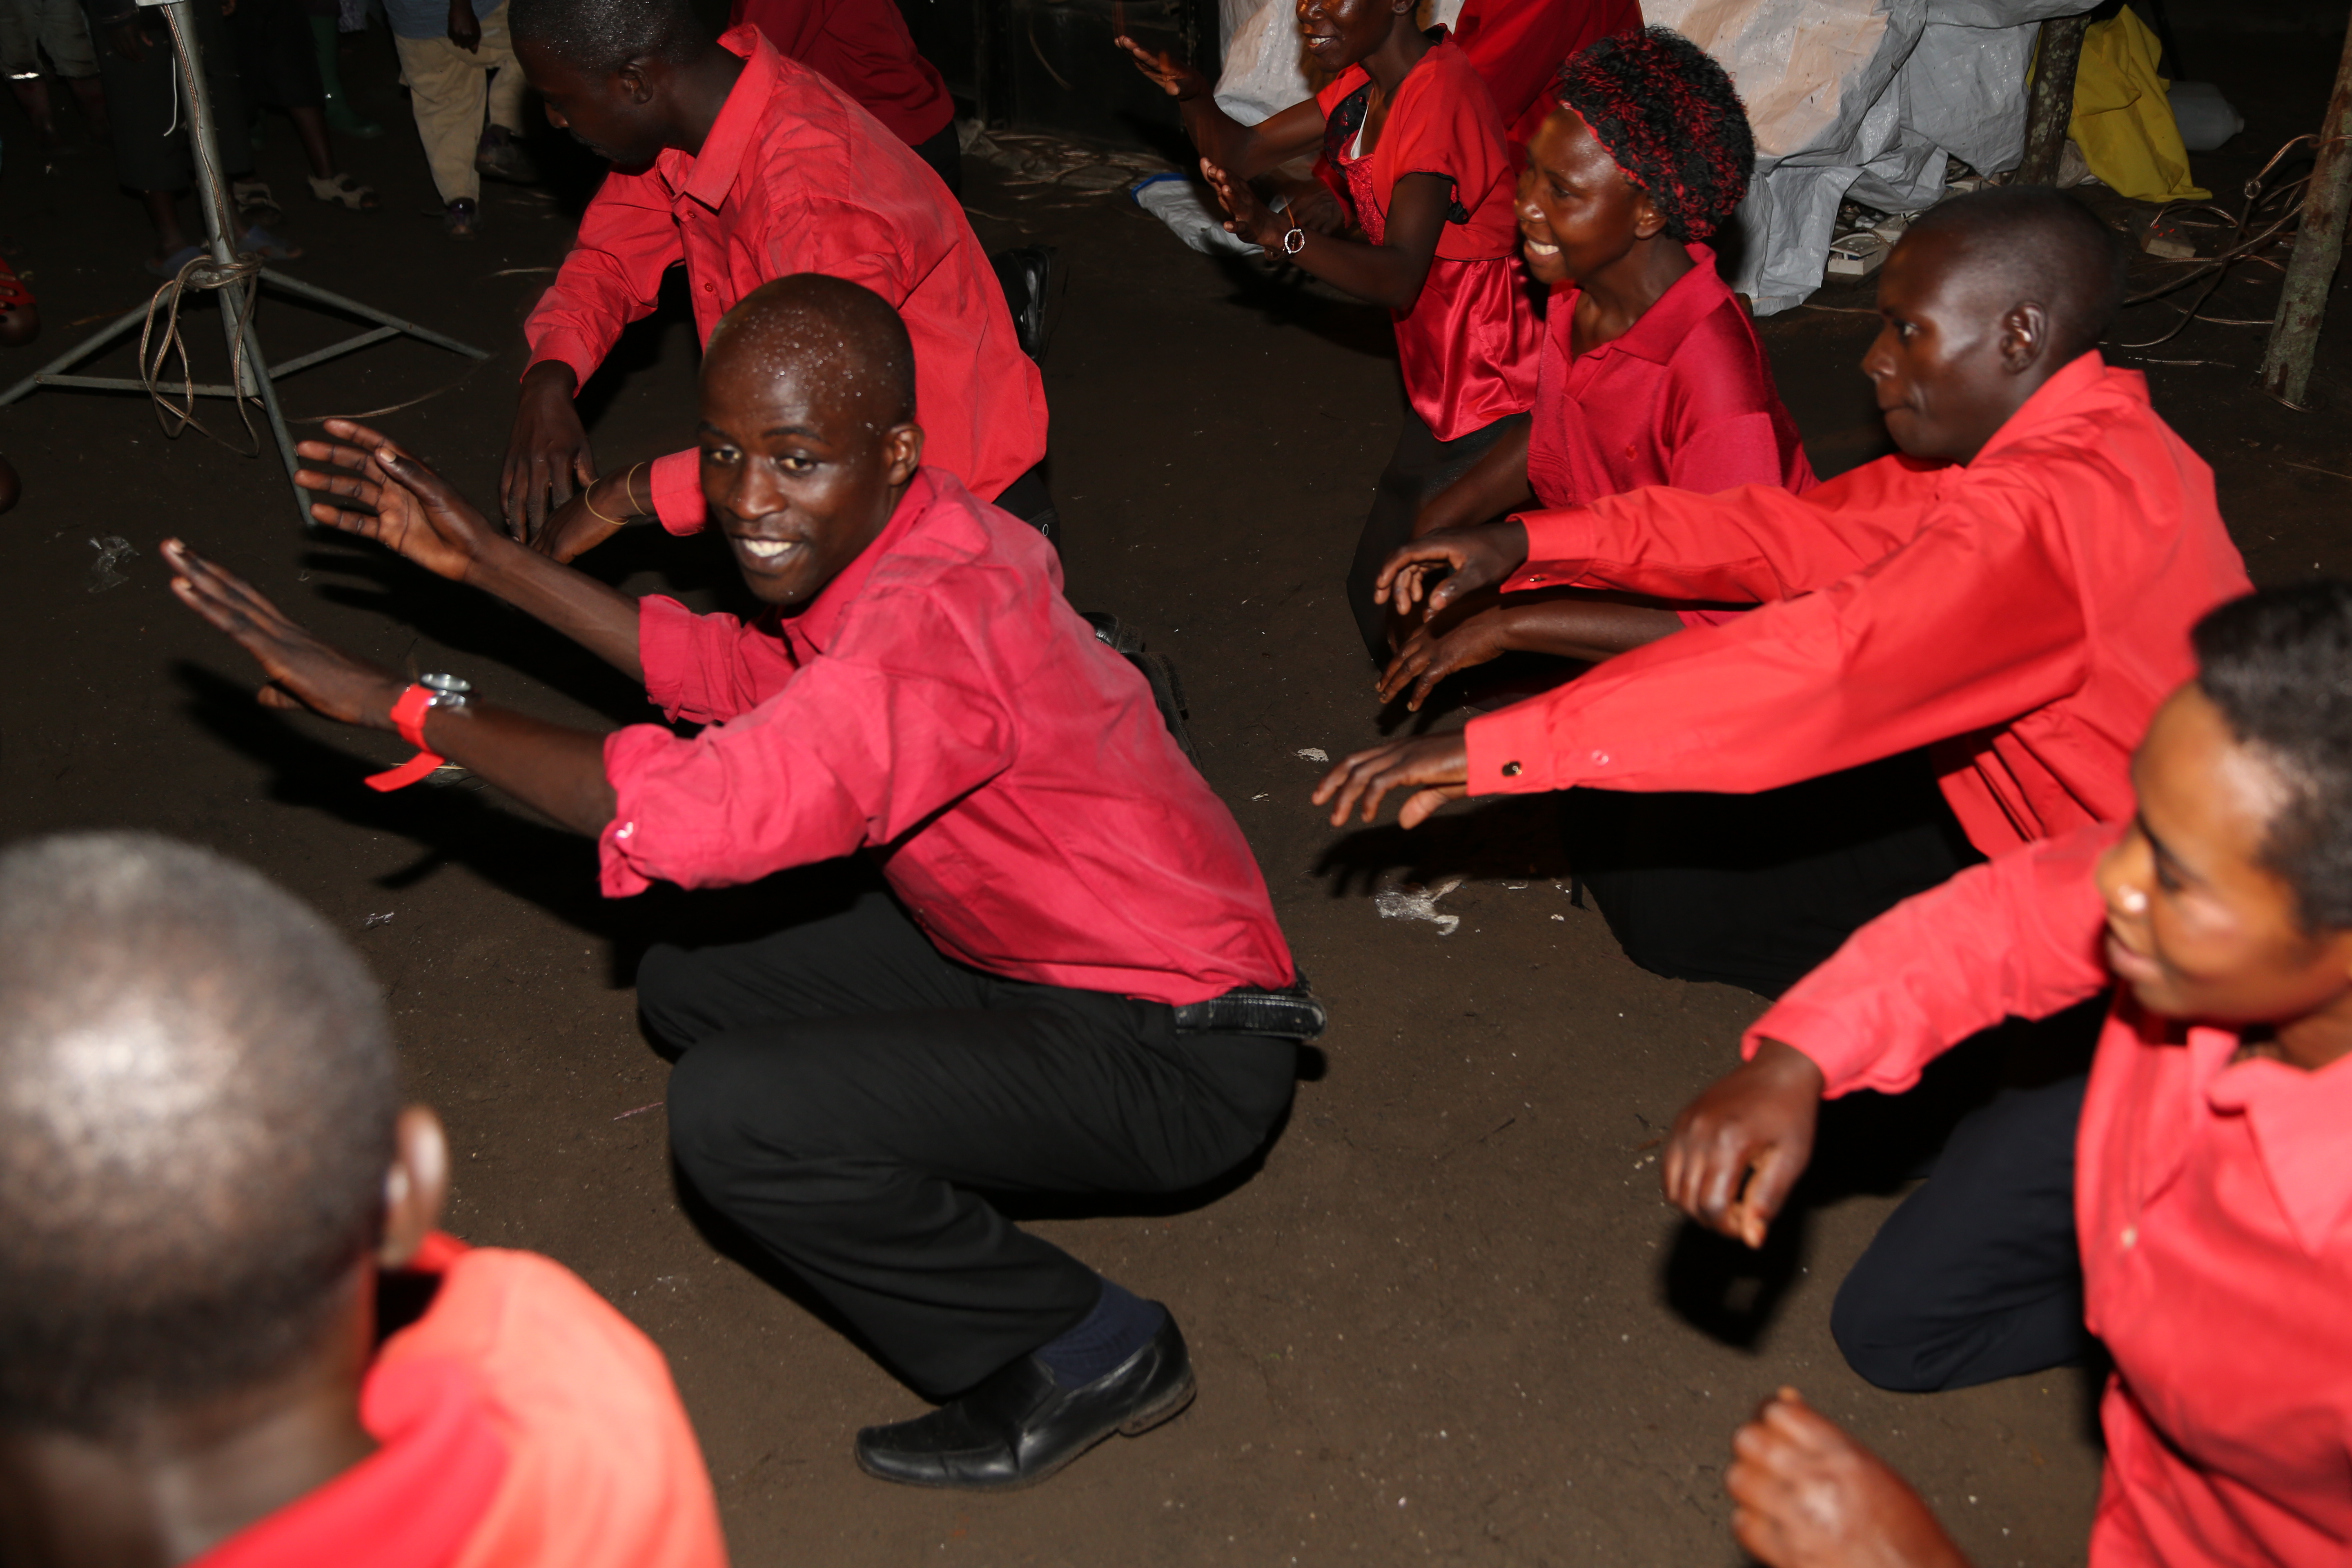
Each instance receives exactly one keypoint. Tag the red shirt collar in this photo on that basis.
(1659, 330)
(2298, 1119)
(819, 625)
(412, 1503)
(710, 174)
(2054, 398)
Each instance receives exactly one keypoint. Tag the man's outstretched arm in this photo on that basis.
(415, 512)
(557, 770)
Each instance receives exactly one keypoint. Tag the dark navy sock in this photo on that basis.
(1121, 1324)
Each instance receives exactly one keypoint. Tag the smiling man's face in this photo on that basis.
(801, 468)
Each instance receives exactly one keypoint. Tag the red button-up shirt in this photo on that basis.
(2212, 1201)
(1519, 46)
(2022, 614)
(940, 705)
(794, 177)
(863, 47)
(521, 1423)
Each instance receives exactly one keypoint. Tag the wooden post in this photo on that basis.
(2318, 247)
(2049, 108)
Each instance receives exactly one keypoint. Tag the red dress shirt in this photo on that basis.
(1683, 397)
(1468, 345)
(940, 705)
(2212, 1204)
(1518, 47)
(863, 47)
(794, 177)
(2022, 616)
(523, 1423)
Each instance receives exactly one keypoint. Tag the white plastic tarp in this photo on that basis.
(1861, 98)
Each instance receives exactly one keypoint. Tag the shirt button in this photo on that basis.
(1511, 770)
(1535, 576)
(625, 830)
(2131, 1236)
(1601, 758)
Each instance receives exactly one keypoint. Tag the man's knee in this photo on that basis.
(670, 997)
(737, 1112)
(1882, 1336)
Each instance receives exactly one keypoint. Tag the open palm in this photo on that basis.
(409, 508)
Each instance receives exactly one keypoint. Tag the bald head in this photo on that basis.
(196, 1110)
(2035, 245)
(599, 37)
(842, 344)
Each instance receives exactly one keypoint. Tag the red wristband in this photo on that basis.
(408, 712)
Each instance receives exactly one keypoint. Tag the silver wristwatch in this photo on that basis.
(448, 691)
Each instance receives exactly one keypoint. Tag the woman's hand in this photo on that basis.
(1172, 76)
(1246, 215)
(411, 508)
(1428, 657)
(303, 672)
(1458, 561)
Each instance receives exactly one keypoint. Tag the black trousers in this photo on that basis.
(1030, 499)
(143, 103)
(1758, 889)
(1976, 1276)
(944, 153)
(845, 1091)
(1420, 466)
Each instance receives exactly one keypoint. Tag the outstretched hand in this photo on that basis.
(1245, 216)
(1435, 767)
(1171, 75)
(1459, 561)
(1429, 655)
(410, 509)
(302, 672)
(1804, 1494)
(1738, 1150)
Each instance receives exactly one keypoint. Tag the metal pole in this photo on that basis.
(2318, 248)
(2049, 108)
(237, 326)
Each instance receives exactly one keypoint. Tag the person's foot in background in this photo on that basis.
(501, 157)
(1033, 279)
(341, 117)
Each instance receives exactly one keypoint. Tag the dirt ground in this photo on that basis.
(1448, 1317)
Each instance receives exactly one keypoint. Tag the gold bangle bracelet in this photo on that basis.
(588, 499)
(629, 488)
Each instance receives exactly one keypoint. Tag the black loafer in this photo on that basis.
(1019, 1427)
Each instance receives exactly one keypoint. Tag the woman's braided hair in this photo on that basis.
(1671, 118)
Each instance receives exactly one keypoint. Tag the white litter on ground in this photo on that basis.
(1312, 753)
(1414, 902)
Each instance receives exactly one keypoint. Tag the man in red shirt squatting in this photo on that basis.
(1067, 976)
(2207, 1199)
(230, 1333)
(2012, 593)
(746, 166)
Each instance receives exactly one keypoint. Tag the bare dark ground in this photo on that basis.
(1449, 1317)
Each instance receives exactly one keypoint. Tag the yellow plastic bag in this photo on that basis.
(2123, 121)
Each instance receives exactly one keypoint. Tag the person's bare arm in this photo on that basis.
(557, 770)
(1587, 629)
(1494, 484)
(547, 454)
(1804, 1494)
(1389, 273)
(413, 511)
(1248, 151)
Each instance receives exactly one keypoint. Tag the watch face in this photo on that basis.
(446, 685)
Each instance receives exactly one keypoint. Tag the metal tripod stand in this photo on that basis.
(252, 376)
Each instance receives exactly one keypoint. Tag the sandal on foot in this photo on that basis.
(344, 191)
(169, 266)
(252, 196)
(259, 241)
(461, 218)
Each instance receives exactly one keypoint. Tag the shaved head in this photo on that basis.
(599, 37)
(840, 343)
(2034, 244)
(196, 1110)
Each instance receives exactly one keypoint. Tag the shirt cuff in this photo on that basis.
(626, 750)
(678, 492)
(1510, 752)
(565, 348)
(1558, 549)
(1825, 1037)
(665, 651)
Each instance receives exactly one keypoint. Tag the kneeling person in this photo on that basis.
(1034, 993)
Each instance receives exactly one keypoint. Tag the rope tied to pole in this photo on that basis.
(203, 274)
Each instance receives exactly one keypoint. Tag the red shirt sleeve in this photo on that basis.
(629, 239)
(1443, 123)
(1973, 623)
(706, 668)
(2016, 937)
(851, 751)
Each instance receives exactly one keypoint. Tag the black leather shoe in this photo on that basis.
(1019, 1427)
